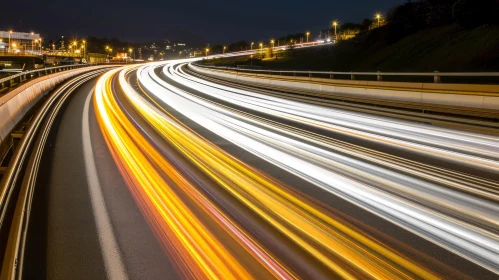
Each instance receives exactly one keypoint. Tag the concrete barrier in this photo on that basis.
(16, 104)
(464, 95)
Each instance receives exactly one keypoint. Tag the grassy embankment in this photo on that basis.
(446, 49)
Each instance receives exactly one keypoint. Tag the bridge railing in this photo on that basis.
(12, 80)
(378, 76)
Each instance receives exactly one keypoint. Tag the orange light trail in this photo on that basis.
(338, 246)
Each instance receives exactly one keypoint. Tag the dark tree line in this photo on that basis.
(427, 13)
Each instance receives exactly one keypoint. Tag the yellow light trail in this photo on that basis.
(334, 243)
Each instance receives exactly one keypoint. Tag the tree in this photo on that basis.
(438, 12)
(366, 23)
(473, 12)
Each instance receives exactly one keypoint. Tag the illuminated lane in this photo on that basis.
(447, 215)
(66, 239)
(219, 217)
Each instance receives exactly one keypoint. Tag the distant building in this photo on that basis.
(3, 46)
(20, 42)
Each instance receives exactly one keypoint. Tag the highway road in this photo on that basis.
(156, 172)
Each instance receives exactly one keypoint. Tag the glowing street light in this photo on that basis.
(84, 47)
(224, 50)
(378, 16)
(32, 42)
(207, 50)
(261, 49)
(308, 33)
(272, 42)
(335, 23)
(252, 43)
(109, 50)
(10, 32)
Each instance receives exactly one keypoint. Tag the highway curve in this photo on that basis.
(156, 172)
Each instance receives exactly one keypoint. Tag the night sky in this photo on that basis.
(216, 21)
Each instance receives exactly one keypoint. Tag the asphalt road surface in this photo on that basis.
(160, 175)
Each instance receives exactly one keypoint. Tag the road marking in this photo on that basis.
(113, 262)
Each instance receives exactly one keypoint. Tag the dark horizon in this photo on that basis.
(219, 22)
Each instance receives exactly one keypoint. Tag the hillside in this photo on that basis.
(446, 48)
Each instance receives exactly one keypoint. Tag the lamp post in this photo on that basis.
(308, 33)
(207, 50)
(261, 49)
(378, 16)
(272, 42)
(10, 32)
(252, 43)
(84, 45)
(223, 52)
(32, 41)
(335, 23)
(130, 50)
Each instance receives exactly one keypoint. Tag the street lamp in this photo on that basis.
(224, 50)
(335, 23)
(130, 50)
(308, 33)
(261, 49)
(32, 42)
(207, 50)
(252, 43)
(10, 32)
(84, 44)
(272, 42)
(378, 16)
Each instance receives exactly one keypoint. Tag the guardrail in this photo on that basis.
(9, 81)
(379, 75)
(17, 186)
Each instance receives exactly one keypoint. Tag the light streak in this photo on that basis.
(332, 242)
(455, 220)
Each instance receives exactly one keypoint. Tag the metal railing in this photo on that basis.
(353, 75)
(17, 186)
(27, 75)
